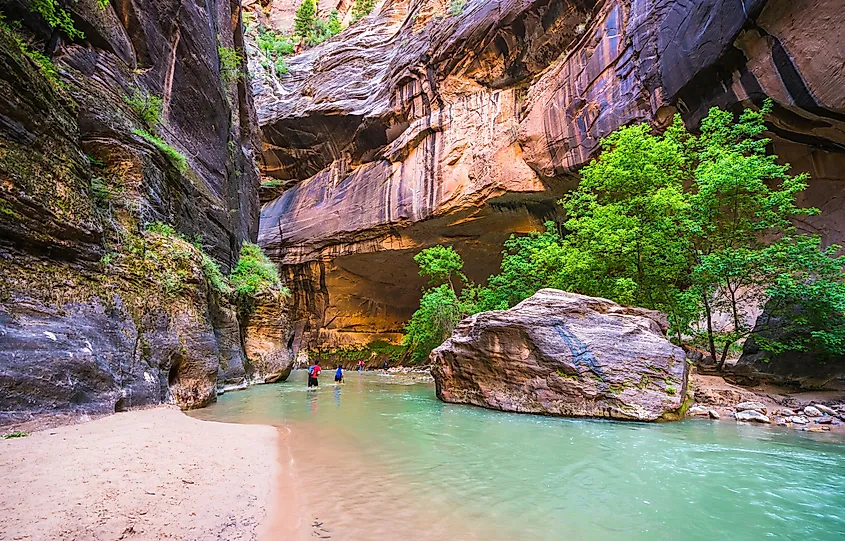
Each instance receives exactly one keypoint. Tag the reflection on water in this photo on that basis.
(373, 459)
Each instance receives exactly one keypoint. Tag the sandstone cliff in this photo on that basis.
(422, 125)
(97, 314)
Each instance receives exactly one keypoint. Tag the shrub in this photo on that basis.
(457, 7)
(362, 8)
(161, 228)
(213, 274)
(176, 157)
(44, 63)
(274, 47)
(148, 107)
(254, 273)
(231, 64)
(56, 16)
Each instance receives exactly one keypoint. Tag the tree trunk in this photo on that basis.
(709, 328)
(721, 365)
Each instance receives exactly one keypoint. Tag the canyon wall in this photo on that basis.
(99, 311)
(426, 124)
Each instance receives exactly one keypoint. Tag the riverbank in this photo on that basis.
(781, 405)
(150, 474)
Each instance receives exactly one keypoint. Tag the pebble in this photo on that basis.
(786, 412)
(810, 411)
(799, 420)
(752, 415)
(825, 409)
(751, 406)
(713, 414)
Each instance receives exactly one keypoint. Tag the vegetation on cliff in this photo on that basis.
(310, 28)
(362, 8)
(692, 225)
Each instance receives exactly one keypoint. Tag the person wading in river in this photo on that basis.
(338, 375)
(313, 372)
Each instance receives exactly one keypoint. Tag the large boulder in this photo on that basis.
(560, 353)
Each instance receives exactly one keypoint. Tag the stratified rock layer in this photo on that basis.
(559, 353)
(96, 314)
(268, 339)
(418, 126)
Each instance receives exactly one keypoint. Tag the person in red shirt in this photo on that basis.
(313, 372)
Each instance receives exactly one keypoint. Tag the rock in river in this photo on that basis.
(811, 411)
(559, 353)
(824, 409)
(752, 415)
(698, 410)
(751, 406)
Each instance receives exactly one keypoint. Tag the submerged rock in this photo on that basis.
(560, 353)
(752, 415)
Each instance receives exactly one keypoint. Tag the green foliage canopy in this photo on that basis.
(693, 225)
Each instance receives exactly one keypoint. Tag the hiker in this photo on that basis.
(361, 366)
(338, 375)
(384, 366)
(313, 372)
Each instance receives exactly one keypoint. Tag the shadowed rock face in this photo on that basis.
(804, 370)
(78, 333)
(415, 127)
(559, 353)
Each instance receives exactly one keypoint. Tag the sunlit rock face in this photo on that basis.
(418, 126)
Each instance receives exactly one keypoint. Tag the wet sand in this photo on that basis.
(151, 474)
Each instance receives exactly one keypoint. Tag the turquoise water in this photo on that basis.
(375, 458)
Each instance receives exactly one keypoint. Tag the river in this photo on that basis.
(377, 458)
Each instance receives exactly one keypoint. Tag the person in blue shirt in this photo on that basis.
(338, 375)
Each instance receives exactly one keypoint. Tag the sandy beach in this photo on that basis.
(150, 474)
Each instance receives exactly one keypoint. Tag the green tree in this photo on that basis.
(362, 8)
(334, 23)
(306, 19)
(742, 199)
(687, 224)
(806, 297)
(432, 323)
(440, 307)
(440, 264)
